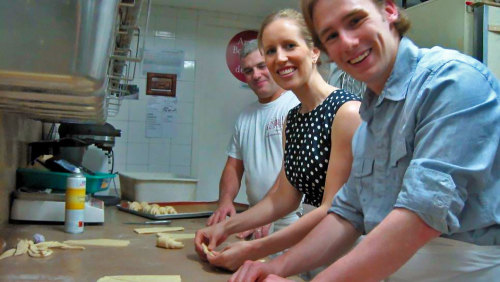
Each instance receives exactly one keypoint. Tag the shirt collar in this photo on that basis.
(396, 87)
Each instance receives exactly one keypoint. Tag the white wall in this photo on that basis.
(219, 98)
(209, 100)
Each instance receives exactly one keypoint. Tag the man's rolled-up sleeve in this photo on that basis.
(346, 205)
(432, 195)
(456, 141)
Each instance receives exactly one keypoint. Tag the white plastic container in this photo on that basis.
(157, 187)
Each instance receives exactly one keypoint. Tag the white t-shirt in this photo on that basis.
(257, 141)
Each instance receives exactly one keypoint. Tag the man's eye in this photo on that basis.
(247, 71)
(355, 21)
(290, 46)
(263, 66)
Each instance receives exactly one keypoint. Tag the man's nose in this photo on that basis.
(256, 74)
(349, 40)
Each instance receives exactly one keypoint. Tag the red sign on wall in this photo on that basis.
(233, 52)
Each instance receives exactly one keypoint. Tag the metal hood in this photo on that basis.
(55, 57)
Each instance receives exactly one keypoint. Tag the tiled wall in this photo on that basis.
(134, 151)
(209, 100)
(15, 134)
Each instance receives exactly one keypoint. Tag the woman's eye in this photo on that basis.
(290, 46)
(331, 36)
(270, 51)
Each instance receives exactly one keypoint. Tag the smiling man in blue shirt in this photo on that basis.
(425, 181)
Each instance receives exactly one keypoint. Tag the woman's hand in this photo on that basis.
(233, 256)
(252, 271)
(259, 232)
(276, 278)
(212, 236)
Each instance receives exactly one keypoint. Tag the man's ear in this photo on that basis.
(391, 11)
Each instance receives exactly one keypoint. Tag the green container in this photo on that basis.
(39, 179)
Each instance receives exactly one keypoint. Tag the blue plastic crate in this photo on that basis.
(39, 179)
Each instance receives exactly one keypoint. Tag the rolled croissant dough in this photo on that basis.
(168, 243)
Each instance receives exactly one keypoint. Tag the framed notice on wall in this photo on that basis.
(161, 84)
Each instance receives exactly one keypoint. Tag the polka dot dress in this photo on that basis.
(308, 144)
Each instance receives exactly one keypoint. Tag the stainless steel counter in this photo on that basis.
(141, 257)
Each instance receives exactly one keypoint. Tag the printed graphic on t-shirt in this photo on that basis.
(274, 127)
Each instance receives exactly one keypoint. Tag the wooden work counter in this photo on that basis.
(141, 257)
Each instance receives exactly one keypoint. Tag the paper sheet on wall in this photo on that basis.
(161, 116)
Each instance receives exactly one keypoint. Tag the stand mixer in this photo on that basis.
(43, 204)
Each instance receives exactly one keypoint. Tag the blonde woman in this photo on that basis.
(317, 149)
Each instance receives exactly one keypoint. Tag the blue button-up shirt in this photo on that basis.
(429, 143)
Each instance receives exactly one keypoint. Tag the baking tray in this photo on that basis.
(184, 209)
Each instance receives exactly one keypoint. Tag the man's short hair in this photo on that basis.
(402, 24)
(248, 47)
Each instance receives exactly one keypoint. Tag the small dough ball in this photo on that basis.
(155, 206)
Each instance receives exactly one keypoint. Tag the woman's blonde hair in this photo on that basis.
(402, 24)
(291, 15)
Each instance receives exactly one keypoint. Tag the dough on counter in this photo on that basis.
(39, 250)
(157, 229)
(177, 236)
(55, 244)
(34, 251)
(7, 254)
(141, 278)
(168, 243)
(99, 242)
(22, 247)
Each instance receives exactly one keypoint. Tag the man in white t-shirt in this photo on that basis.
(256, 147)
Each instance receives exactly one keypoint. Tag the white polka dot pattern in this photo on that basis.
(308, 144)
